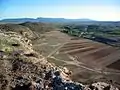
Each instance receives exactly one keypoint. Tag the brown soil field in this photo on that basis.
(93, 57)
(88, 60)
(115, 65)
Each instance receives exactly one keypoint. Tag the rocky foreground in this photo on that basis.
(22, 68)
(29, 76)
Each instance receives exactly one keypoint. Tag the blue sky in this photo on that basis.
(103, 10)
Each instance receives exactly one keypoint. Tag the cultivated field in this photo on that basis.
(96, 54)
(88, 60)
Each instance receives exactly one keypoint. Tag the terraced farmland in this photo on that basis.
(91, 53)
(85, 58)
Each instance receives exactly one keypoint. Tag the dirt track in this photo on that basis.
(82, 56)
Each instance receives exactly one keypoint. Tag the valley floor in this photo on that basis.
(88, 60)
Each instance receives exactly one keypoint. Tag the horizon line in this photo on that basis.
(56, 18)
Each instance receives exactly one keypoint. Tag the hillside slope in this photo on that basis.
(22, 65)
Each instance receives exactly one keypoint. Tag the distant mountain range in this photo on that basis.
(45, 20)
(57, 20)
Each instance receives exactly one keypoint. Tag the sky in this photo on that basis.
(102, 10)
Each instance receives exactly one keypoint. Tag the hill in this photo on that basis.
(44, 20)
(27, 61)
(18, 20)
(38, 27)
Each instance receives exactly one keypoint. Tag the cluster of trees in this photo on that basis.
(80, 31)
(108, 34)
(91, 30)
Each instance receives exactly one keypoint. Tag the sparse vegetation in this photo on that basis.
(99, 32)
(27, 46)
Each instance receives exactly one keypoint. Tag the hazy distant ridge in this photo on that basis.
(48, 20)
